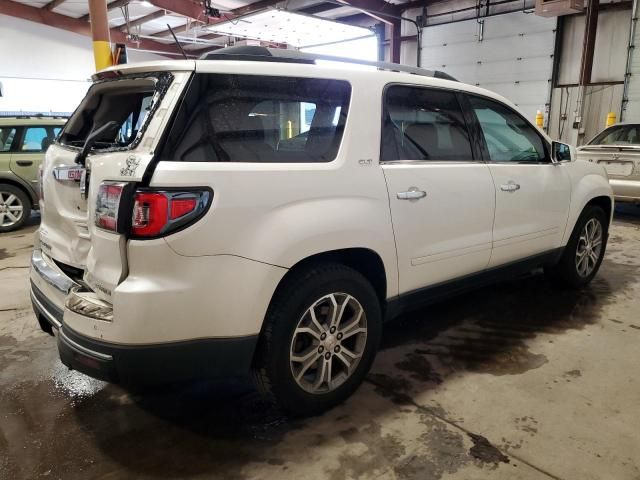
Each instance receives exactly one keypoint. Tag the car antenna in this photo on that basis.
(177, 42)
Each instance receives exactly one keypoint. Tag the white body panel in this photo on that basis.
(531, 219)
(217, 277)
(446, 234)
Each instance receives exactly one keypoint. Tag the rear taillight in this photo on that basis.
(157, 213)
(110, 196)
(148, 213)
(40, 183)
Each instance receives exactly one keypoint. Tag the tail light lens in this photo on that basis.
(158, 213)
(110, 196)
(148, 213)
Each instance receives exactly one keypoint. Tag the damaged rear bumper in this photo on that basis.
(148, 364)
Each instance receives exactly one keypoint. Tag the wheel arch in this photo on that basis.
(363, 260)
(31, 195)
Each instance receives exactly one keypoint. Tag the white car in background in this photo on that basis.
(617, 149)
(186, 234)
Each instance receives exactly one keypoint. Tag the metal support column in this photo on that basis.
(100, 33)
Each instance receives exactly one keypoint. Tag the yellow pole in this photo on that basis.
(289, 129)
(611, 118)
(539, 119)
(100, 33)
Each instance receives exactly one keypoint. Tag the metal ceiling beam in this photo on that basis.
(186, 8)
(374, 8)
(142, 20)
(318, 8)
(53, 4)
(110, 6)
(75, 25)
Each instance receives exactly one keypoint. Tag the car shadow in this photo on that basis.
(222, 427)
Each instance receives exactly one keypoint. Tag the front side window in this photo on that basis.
(508, 136)
(423, 124)
(250, 118)
(7, 134)
(618, 135)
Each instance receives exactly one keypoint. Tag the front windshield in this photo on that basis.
(618, 135)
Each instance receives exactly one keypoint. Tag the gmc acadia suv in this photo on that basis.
(255, 212)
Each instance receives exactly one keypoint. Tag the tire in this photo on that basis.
(571, 272)
(13, 201)
(287, 383)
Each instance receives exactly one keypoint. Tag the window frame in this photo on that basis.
(485, 149)
(473, 140)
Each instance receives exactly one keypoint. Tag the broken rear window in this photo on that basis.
(130, 101)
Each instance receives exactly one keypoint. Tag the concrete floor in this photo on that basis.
(518, 380)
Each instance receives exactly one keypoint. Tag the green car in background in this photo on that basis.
(23, 141)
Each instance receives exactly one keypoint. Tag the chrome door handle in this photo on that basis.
(509, 187)
(412, 194)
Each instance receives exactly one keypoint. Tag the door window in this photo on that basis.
(7, 135)
(423, 124)
(508, 136)
(35, 139)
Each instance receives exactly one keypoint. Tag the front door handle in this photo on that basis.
(24, 163)
(509, 187)
(412, 194)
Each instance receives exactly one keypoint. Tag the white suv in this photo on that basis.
(255, 212)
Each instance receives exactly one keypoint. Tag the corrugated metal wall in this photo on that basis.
(609, 64)
(631, 111)
(513, 57)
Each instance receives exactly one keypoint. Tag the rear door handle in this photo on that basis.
(412, 194)
(509, 187)
(24, 163)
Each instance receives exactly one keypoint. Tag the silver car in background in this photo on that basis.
(617, 149)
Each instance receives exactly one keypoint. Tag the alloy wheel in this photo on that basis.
(328, 343)
(589, 247)
(11, 209)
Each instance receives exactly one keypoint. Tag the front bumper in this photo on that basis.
(147, 364)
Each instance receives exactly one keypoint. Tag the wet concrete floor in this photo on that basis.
(517, 380)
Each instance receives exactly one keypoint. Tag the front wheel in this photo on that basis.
(584, 252)
(320, 337)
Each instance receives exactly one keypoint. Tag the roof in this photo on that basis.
(31, 120)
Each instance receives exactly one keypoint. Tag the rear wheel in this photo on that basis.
(320, 337)
(15, 208)
(583, 254)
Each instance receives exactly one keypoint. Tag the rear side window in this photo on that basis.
(250, 118)
(34, 139)
(508, 136)
(423, 124)
(7, 134)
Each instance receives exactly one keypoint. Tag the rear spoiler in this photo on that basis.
(144, 67)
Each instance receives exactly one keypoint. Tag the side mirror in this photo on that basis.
(93, 137)
(562, 152)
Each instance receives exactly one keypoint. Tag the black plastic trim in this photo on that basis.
(157, 364)
(434, 293)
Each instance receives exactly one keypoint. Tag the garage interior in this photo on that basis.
(516, 380)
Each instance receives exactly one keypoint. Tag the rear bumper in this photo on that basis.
(156, 364)
(137, 364)
(625, 190)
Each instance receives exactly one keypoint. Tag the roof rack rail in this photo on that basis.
(264, 54)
